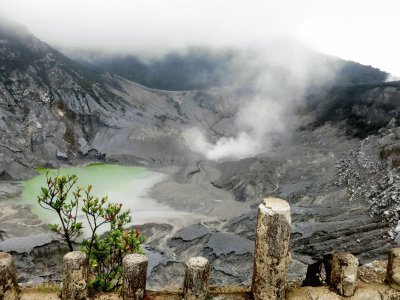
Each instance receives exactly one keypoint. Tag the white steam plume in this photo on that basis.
(285, 71)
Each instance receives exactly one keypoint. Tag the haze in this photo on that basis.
(358, 30)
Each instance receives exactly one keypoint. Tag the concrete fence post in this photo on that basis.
(9, 289)
(393, 268)
(271, 254)
(344, 273)
(75, 275)
(134, 273)
(197, 273)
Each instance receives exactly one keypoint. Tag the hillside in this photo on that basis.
(204, 68)
(337, 167)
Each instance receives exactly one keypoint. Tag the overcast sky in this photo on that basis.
(361, 30)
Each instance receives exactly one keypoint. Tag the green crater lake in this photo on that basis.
(122, 184)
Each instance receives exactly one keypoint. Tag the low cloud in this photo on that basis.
(359, 30)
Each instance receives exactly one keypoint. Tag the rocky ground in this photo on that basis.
(320, 172)
(338, 169)
(327, 215)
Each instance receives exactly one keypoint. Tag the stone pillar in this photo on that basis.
(134, 273)
(344, 273)
(75, 275)
(271, 253)
(197, 273)
(9, 288)
(393, 268)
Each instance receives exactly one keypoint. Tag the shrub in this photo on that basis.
(54, 197)
(105, 252)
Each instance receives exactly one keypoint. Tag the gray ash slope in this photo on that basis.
(50, 105)
(338, 169)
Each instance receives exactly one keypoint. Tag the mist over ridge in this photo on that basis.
(357, 30)
(270, 84)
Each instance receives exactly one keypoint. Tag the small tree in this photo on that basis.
(54, 197)
(105, 252)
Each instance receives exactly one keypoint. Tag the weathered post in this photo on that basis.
(197, 273)
(271, 254)
(9, 289)
(134, 273)
(75, 275)
(393, 268)
(344, 273)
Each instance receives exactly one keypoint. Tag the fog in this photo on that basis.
(361, 30)
(277, 35)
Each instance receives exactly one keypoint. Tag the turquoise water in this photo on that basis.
(122, 184)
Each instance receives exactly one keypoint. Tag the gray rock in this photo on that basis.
(224, 243)
(192, 232)
(4, 176)
(25, 244)
(61, 155)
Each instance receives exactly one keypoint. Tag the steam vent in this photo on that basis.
(199, 150)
